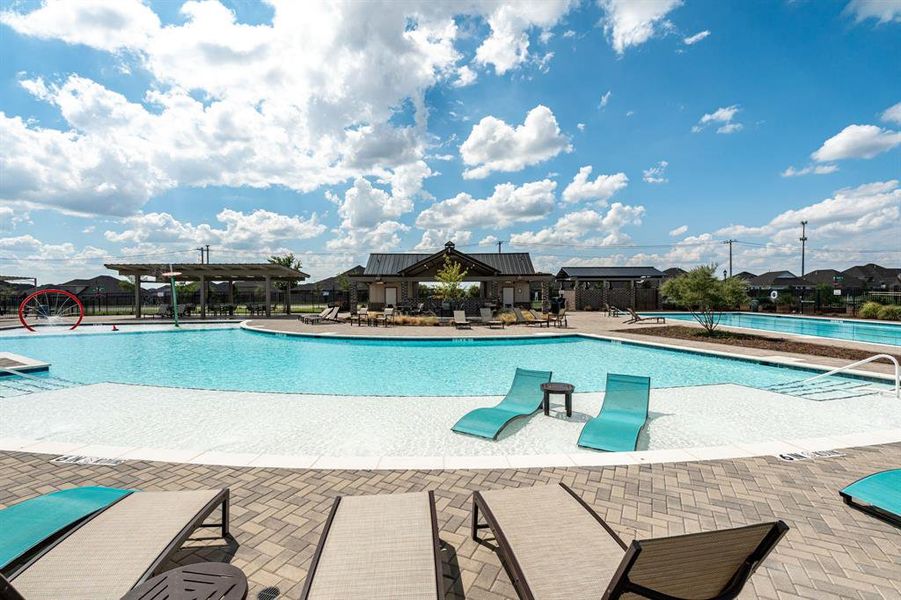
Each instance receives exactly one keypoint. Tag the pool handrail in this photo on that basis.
(860, 363)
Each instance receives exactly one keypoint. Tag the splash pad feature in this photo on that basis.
(55, 308)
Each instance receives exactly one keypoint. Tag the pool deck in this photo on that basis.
(831, 551)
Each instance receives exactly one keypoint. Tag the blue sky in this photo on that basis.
(583, 132)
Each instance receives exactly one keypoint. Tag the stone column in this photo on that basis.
(353, 297)
(545, 301)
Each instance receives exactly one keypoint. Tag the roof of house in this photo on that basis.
(831, 276)
(746, 275)
(674, 272)
(608, 272)
(778, 279)
(506, 263)
(331, 282)
(873, 274)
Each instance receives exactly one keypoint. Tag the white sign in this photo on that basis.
(836, 292)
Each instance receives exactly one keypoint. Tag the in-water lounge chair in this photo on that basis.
(116, 548)
(555, 546)
(623, 414)
(382, 547)
(637, 318)
(460, 320)
(523, 399)
(878, 494)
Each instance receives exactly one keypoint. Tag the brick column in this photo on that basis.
(545, 292)
(353, 297)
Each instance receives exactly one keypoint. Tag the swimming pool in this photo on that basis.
(241, 360)
(843, 329)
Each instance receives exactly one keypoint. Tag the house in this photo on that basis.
(673, 272)
(745, 275)
(875, 277)
(778, 281)
(587, 288)
(504, 278)
(846, 285)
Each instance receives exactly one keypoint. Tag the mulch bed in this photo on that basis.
(745, 340)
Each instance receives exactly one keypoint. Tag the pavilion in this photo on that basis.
(205, 273)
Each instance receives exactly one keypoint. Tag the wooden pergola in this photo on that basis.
(205, 273)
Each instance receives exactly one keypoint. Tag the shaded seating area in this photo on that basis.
(623, 414)
(555, 546)
(378, 547)
(523, 399)
(205, 273)
(112, 549)
(878, 494)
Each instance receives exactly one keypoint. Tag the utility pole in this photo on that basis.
(499, 242)
(730, 242)
(803, 244)
(201, 254)
(207, 254)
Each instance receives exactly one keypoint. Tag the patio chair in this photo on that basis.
(636, 318)
(314, 318)
(522, 320)
(489, 320)
(29, 523)
(559, 319)
(878, 494)
(114, 549)
(387, 316)
(362, 315)
(555, 546)
(623, 414)
(378, 547)
(523, 399)
(460, 320)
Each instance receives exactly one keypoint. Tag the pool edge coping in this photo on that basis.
(469, 462)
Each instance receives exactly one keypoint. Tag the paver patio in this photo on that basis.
(831, 551)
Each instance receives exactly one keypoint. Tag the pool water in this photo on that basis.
(236, 359)
(843, 329)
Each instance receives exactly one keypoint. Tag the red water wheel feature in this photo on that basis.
(56, 308)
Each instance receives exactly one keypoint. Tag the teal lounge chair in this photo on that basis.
(523, 399)
(29, 523)
(878, 494)
(623, 414)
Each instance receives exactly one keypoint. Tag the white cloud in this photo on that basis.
(606, 98)
(257, 229)
(694, 39)
(434, 239)
(600, 190)
(580, 126)
(508, 45)
(507, 205)
(381, 238)
(630, 23)
(656, 174)
(465, 77)
(679, 231)
(493, 145)
(573, 227)
(723, 117)
(857, 141)
(892, 114)
(884, 11)
(810, 170)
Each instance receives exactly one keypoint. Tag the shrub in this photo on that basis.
(870, 310)
(889, 313)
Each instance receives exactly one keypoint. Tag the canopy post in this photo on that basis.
(202, 297)
(137, 295)
(268, 296)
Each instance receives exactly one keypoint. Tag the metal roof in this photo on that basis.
(608, 272)
(211, 271)
(508, 263)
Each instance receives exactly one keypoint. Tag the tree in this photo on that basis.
(704, 295)
(449, 278)
(292, 262)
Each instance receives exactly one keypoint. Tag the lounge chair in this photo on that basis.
(878, 494)
(489, 320)
(637, 318)
(555, 546)
(332, 314)
(523, 399)
(314, 318)
(544, 320)
(522, 320)
(612, 311)
(29, 523)
(378, 547)
(119, 547)
(623, 414)
(460, 320)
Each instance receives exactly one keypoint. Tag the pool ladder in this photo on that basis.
(820, 387)
(16, 383)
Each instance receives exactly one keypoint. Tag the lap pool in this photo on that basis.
(239, 360)
(843, 329)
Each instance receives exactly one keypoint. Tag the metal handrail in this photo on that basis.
(33, 378)
(863, 362)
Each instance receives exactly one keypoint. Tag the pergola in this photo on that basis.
(204, 273)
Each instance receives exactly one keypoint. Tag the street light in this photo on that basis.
(172, 275)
